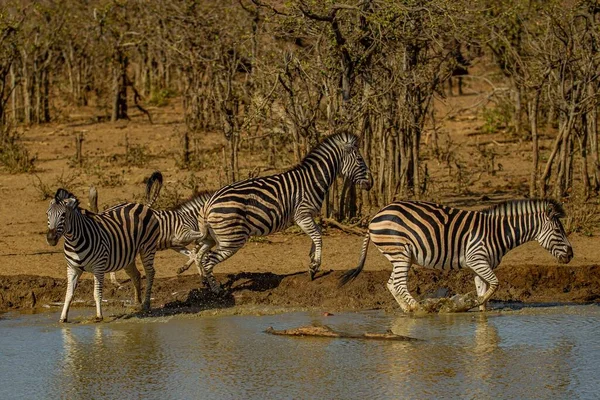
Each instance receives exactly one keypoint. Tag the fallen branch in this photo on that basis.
(342, 227)
(325, 331)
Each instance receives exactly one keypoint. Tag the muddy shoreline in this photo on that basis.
(528, 284)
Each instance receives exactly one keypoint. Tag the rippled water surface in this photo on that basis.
(541, 353)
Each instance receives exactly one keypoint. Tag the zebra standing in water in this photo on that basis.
(260, 206)
(441, 237)
(101, 243)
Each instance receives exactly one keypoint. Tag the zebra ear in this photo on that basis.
(66, 197)
(71, 202)
(62, 194)
(554, 211)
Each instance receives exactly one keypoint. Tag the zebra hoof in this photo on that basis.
(98, 319)
(62, 320)
(312, 275)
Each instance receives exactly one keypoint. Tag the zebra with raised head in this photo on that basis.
(260, 206)
(101, 243)
(436, 236)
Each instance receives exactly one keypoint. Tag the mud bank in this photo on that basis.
(526, 284)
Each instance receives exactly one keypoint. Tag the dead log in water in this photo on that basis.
(325, 331)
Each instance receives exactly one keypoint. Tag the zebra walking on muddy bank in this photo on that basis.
(441, 237)
(261, 206)
(103, 243)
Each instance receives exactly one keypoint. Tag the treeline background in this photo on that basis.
(283, 74)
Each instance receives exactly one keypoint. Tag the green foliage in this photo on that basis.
(161, 97)
(495, 119)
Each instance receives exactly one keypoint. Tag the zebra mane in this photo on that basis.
(63, 194)
(525, 207)
(197, 199)
(340, 139)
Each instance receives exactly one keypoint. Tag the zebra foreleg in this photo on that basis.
(485, 273)
(98, 284)
(134, 275)
(310, 227)
(73, 275)
(481, 287)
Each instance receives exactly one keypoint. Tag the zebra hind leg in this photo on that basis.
(135, 277)
(114, 280)
(398, 282)
(148, 263)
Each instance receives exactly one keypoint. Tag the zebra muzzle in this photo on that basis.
(52, 237)
(366, 184)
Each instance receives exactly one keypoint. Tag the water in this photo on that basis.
(533, 353)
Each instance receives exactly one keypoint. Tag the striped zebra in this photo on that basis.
(260, 206)
(173, 223)
(176, 223)
(436, 236)
(101, 243)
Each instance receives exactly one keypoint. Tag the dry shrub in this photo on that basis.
(46, 190)
(582, 217)
(14, 156)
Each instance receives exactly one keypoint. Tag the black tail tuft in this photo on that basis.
(353, 273)
(157, 178)
(349, 276)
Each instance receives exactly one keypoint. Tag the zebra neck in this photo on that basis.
(75, 225)
(519, 229)
(320, 170)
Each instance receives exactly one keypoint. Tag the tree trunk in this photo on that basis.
(533, 121)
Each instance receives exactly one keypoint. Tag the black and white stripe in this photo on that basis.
(260, 206)
(436, 236)
(101, 243)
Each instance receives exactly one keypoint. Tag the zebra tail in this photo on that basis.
(93, 199)
(353, 273)
(153, 187)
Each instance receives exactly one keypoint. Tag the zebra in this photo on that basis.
(177, 222)
(173, 223)
(261, 206)
(437, 236)
(101, 243)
